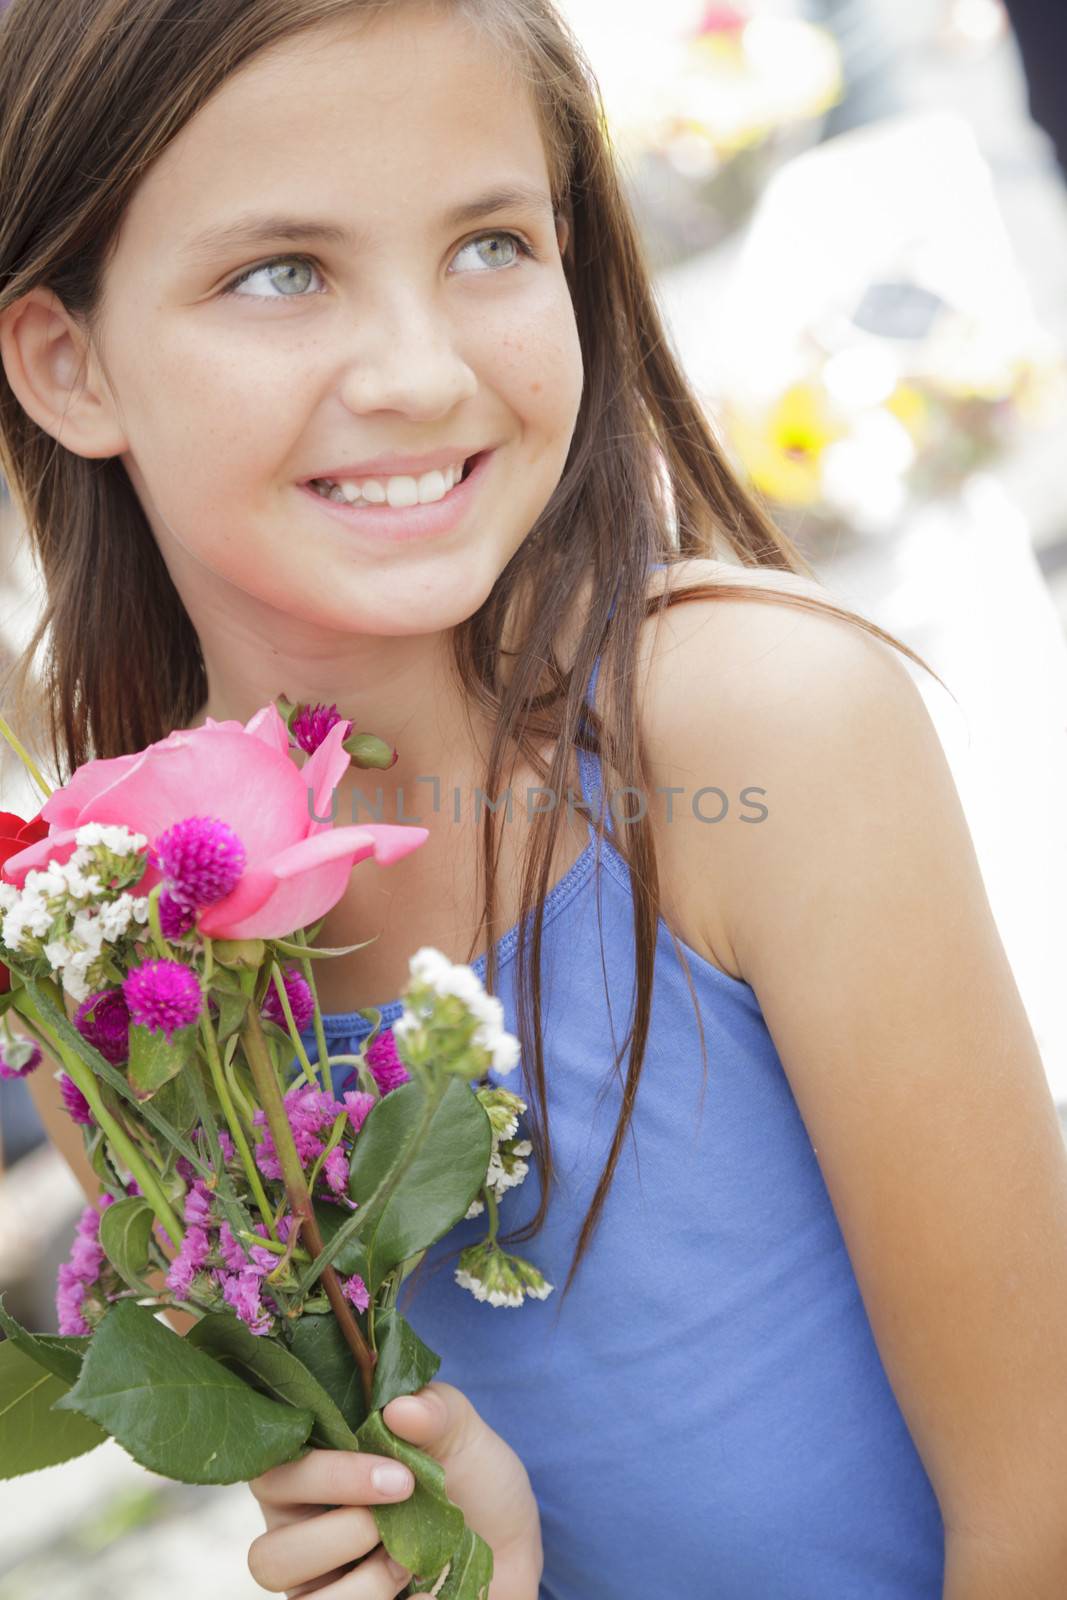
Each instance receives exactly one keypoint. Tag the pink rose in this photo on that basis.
(296, 868)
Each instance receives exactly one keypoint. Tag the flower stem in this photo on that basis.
(270, 1098)
(24, 756)
(163, 949)
(222, 1089)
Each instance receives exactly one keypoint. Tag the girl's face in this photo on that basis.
(242, 368)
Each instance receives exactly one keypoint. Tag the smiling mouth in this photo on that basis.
(397, 492)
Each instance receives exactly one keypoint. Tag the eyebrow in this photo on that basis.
(256, 228)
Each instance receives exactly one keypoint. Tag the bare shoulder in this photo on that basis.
(728, 686)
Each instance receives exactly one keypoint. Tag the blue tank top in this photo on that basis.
(706, 1414)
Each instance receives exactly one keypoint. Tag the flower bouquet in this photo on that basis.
(157, 928)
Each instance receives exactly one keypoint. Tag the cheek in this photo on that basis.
(535, 361)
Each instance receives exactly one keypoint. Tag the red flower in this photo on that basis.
(15, 835)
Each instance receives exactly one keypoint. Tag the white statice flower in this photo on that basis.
(81, 885)
(429, 966)
(8, 896)
(118, 840)
(499, 1279)
(115, 917)
(88, 932)
(475, 1209)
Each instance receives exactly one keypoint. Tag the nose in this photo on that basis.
(408, 359)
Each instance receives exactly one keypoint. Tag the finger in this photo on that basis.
(439, 1419)
(301, 1551)
(331, 1478)
(374, 1579)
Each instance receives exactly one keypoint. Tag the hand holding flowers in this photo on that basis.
(173, 898)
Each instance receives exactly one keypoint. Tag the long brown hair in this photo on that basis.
(90, 97)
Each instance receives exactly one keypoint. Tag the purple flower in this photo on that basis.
(198, 1205)
(75, 1103)
(359, 1104)
(387, 1069)
(11, 1066)
(202, 860)
(78, 1275)
(175, 918)
(309, 1111)
(104, 1020)
(298, 993)
(241, 1291)
(336, 1169)
(191, 1256)
(163, 996)
(355, 1289)
(231, 1251)
(311, 725)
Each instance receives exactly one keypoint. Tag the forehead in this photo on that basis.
(414, 106)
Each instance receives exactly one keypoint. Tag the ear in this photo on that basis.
(56, 376)
(563, 233)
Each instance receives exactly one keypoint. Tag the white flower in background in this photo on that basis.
(118, 841)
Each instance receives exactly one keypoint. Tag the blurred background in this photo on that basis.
(856, 215)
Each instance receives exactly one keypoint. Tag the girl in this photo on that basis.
(270, 270)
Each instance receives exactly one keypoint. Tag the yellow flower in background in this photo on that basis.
(911, 407)
(781, 450)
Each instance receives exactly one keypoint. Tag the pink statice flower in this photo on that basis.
(310, 1111)
(298, 993)
(355, 1289)
(388, 1071)
(359, 1105)
(241, 1290)
(311, 725)
(81, 1273)
(163, 996)
(74, 1102)
(104, 1021)
(335, 1168)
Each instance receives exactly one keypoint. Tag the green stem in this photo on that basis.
(222, 1089)
(492, 1212)
(117, 1137)
(163, 949)
(307, 968)
(23, 755)
(290, 1022)
(270, 1098)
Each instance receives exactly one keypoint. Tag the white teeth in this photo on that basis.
(400, 491)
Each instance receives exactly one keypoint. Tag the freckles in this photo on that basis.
(535, 388)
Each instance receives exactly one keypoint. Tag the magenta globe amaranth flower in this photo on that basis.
(104, 1021)
(298, 993)
(75, 1103)
(201, 859)
(175, 918)
(18, 1058)
(312, 723)
(163, 996)
(387, 1069)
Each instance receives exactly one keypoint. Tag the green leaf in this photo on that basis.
(275, 1371)
(471, 1570)
(175, 1409)
(177, 1102)
(405, 1365)
(154, 1060)
(317, 1342)
(60, 1354)
(286, 947)
(437, 1188)
(422, 1531)
(351, 1256)
(232, 1008)
(125, 1229)
(32, 1434)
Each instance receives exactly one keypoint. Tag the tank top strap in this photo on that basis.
(589, 769)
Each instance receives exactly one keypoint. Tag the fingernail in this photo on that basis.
(401, 1574)
(392, 1480)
